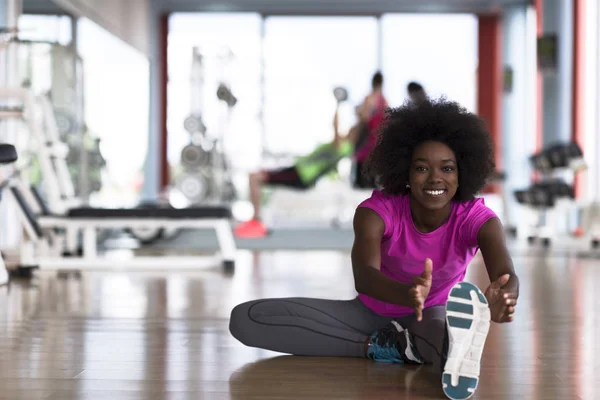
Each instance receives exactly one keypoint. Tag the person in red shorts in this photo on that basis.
(302, 175)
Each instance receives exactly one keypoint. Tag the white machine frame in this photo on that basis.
(45, 248)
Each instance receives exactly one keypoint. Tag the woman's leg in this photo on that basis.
(303, 326)
(452, 338)
(429, 335)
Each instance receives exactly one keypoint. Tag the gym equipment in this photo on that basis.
(52, 227)
(558, 156)
(194, 187)
(149, 235)
(224, 94)
(194, 124)
(86, 151)
(499, 177)
(194, 156)
(8, 155)
(340, 94)
(62, 82)
(551, 196)
(44, 248)
(206, 176)
(545, 197)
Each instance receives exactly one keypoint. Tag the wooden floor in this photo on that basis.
(125, 336)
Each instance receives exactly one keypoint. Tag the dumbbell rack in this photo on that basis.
(547, 205)
(205, 173)
(551, 196)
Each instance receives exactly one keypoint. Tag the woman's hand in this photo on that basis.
(419, 290)
(501, 299)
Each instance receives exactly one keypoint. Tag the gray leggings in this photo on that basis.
(329, 328)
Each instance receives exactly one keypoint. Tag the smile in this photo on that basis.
(435, 192)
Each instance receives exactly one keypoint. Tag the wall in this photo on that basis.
(128, 20)
(557, 19)
(116, 104)
(519, 105)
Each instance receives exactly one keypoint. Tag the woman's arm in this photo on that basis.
(503, 292)
(495, 254)
(369, 228)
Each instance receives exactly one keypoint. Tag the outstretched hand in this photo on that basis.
(419, 291)
(502, 301)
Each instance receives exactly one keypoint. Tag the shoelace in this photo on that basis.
(386, 336)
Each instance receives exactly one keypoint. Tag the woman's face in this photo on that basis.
(433, 176)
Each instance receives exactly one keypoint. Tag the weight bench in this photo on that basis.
(46, 248)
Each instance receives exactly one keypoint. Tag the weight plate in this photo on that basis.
(193, 156)
(194, 124)
(194, 187)
(64, 123)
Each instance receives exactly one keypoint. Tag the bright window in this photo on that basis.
(438, 51)
(230, 45)
(305, 58)
(116, 98)
(52, 28)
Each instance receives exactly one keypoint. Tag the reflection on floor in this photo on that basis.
(123, 336)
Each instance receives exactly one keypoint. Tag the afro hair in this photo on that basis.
(407, 127)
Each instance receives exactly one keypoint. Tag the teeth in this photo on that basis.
(434, 192)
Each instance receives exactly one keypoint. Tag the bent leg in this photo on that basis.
(429, 334)
(303, 326)
(255, 181)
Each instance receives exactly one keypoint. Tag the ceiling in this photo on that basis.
(328, 7)
(41, 7)
(310, 7)
(130, 19)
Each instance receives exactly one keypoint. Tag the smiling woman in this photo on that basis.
(433, 177)
(413, 241)
(467, 147)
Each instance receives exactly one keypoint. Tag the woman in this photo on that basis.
(414, 239)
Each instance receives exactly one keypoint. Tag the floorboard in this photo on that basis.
(130, 336)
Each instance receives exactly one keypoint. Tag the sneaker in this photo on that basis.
(252, 229)
(393, 344)
(468, 323)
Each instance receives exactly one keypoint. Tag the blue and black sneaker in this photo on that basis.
(393, 344)
(468, 323)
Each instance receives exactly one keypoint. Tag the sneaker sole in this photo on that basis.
(468, 322)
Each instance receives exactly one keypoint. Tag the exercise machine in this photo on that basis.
(50, 241)
(206, 175)
(8, 155)
(56, 71)
(53, 224)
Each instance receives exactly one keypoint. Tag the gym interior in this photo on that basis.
(180, 179)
